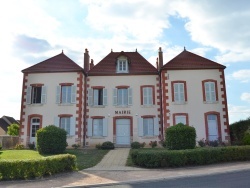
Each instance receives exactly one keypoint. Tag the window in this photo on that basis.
(147, 95)
(66, 94)
(97, 126)
(210, 93)
(66, 122)
(122, 96)
(179, 92)
(35, 124)
(36, 94)
(97, 96)
(122, 66)
(148, 126)
(180, 118)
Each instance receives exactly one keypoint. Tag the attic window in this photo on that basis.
(122, 66)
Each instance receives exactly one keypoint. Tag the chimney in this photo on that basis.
(91, 64)
(160, 59)
(157, 64)
(86, 60)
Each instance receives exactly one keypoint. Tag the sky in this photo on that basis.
(35, 30)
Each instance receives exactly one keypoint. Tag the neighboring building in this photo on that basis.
(6, 121)
(124, 98)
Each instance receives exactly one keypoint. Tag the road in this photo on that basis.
(239, 179)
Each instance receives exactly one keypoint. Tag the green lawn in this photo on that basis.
(85, 157)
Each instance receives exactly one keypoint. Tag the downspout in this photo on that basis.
(161, 115)
(85, 110)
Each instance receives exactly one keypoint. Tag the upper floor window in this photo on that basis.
(122, 66)
(66, 93)
(210, 93)
(179, 91)
(148, 126)
(66, 122)
(36, 94)
(97, 96)
(97, 126)
(122, 96)
(147, 95)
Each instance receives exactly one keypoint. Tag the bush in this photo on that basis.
(202, 143)
(238, 129)
(98, 146)
(189, 157)
(76, 146)
(26, 169)
(246, 138)
(135, 145)
(51, 140)
(213, 143)
(13, 129)
(153, 144)
(180, 137)
(19, 147)
(1, 147)
(108, 145)
(32, 145)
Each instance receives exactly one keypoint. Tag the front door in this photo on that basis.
(123, 132)
(212, 127)
(35, 124)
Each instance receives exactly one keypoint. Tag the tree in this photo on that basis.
(13, 129)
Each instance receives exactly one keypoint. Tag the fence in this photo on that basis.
(8, 142)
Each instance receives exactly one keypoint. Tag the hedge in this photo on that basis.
(189, 157)
(31, 168)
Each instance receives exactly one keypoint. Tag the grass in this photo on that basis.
(85, 158)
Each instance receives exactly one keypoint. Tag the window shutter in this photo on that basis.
(90, 97)
(58, 94)
(115, 96)
(130, 96)
(156, 126)
(140, 126)
(56, 121)
(105, 97)
(28, 95)
(73, 94)
(105, 127)
(72, 126)
(43, 99)
(89, 132)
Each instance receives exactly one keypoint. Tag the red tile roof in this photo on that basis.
(58, 63)
(138, 65)
(189, 60)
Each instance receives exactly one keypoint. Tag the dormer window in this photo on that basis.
(122, 66)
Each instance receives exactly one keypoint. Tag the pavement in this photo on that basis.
(112, 170)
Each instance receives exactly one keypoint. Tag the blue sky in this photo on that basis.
(34, 30)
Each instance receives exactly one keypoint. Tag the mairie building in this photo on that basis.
(124, 98)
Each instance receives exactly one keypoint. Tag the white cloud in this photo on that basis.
(242, 75)
(237, 113)
(245, 97)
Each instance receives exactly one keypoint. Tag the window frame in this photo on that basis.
(31, 99)
(92, 97)
(123, 63)
(205, 92)
(143, 96)
(91, 129)
(72, 124)
(71, 96)
(184, 91)
(155, 128)
(180, 114)
(116, 96)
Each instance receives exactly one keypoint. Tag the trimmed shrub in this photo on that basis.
(108, 145)
(31, 146)
(237, 131)
(189, 157)
(51, 140)
(26, 169)
(246, 138)
(135, 145)
(180, 137)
